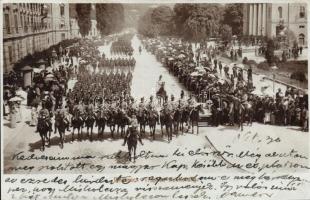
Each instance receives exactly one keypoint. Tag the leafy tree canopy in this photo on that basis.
(233, 16)
(83, 18)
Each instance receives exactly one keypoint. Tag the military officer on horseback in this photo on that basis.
(45, 116)
(141, 106)
(61, 113)
(133, 131)
(151, 105)
(172, 104)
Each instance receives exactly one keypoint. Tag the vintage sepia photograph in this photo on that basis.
(155, 100)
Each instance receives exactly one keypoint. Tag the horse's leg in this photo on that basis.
(162, 131)
(55, 128)
(61, 138)
(72, 134)
(182, 127)
(49, 137)
(141, 128)
(192, 126)
(43, 142)
(79, 133)
(134, 152)
(197, 128)
(102, 130)
(129, 152)
(112, 130)
(99, 130)
(91, 133)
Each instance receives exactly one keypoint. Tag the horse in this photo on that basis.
(132, 142)
(184, 118)
(43, 128)
(77, 123)
(142, 120)
(161, 94)
(111, 122)
(177, 115)
(194, 117)
(169, 124)
(152, 120)
(89, 122)
(122, 121)
(101, 120)
(61, 125)
(245, 112)
(166, 119)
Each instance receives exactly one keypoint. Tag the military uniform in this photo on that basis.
(44, 114)
(132, 129)
(61, 113)
(151, 105)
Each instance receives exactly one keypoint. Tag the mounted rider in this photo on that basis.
(182, 100)
(132, 129)
(191, 102)
(160, 86)
(61, 113)
(45, 116)
(141, 106)
(151, 105)
(78, 108)
(172, 105)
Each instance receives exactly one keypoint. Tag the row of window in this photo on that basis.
(302, 12)
(39, 7)
(35, 23)
(31, 6)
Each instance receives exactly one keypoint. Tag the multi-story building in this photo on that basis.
(31, 27)
(74, 27)
(267, 19)
(60, 21)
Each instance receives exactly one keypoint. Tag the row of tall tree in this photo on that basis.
(109, 17)
(193, 21)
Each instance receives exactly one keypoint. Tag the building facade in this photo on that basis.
(266, 19)
(32, 27)
(60, 21)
